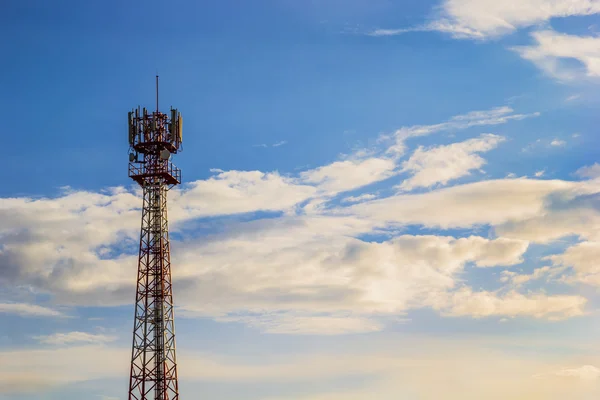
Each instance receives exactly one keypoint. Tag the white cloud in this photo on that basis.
(455, 30)
(591, 171)
(484, 19)
(276, 144)
(360, 198)
(445, 163)
(569, 212)
(307, 325)
(28, 310)
(60, 245)
(492, 18)
(551, 48)
(528, 209)
(586, 372)
(465, 206)
(583, 259)
(573, 97)
(539, 174)
(399, 368)
(469, 372)
(234, 192)
(75, 337)
(494, 116)
(72, 247)
(31, 371)
(246, 268)
(363, 168)
(544, 144)
(332, 275)
(345, 175)
(50, 243)
(465, 302)
(391, 32)
(519, 279)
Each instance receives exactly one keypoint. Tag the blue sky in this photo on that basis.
(377, 194)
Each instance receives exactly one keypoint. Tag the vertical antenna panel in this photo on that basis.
(131, 128)
(179, 129)
(173, 125)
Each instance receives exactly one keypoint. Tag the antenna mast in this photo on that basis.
(154, 137)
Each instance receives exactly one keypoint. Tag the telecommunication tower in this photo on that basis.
(153, 138)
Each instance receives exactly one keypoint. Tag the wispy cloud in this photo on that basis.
(335, 272)
(444, 26)
(441, 164)
(285, 323)
(345, 175)
(586, 372)
(358, 199)
(277, 144)
(495, 116)
(517, 280)
(29, 310)
(391, 32)
(492, 18)
(573, 97)
(591, 171)
(483, 19)
(581, 258)
(465, 302)
(544, 143)
(552, 47)
(583, 373)
(75, 338)
(397, 367)
(488, 19)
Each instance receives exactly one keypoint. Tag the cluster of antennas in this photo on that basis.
(154, 133)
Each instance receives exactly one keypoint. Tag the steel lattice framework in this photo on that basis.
(153, 137)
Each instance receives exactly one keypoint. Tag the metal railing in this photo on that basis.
(171, 173)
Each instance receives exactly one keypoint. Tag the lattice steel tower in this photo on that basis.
(153, 138)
